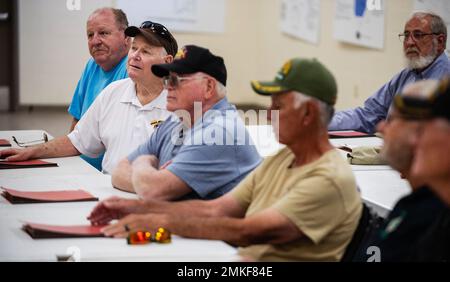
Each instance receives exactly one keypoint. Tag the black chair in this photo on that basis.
(369, 223)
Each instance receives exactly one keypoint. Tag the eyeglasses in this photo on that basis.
(159, 29)
(416, 35)
(32, 142)
(173, 81)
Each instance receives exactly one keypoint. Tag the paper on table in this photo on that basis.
(23, 197)
(44, 231)
(25, 164)
(4, 143)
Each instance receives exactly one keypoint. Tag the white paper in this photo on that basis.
(177, 15)
(301, 19)
(360, 22)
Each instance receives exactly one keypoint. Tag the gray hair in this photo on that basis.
(221, 89)
(326, 111)
(437, 24)
(119, 16)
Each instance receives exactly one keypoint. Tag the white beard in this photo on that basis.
(422, 61)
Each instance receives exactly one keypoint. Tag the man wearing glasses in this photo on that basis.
(424, 42)
(203, 152)
(108, 46)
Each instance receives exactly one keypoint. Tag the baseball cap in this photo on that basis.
(192, 59)
(434, 102)
(307, 76)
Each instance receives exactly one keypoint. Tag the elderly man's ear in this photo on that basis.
(168, 59)
(210, 88)
(310, 113)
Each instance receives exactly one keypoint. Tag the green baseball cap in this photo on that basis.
(307, 76)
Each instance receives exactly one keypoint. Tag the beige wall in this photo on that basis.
(252, 46)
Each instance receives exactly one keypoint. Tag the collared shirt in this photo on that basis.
(376, 107)
(92, 81)
(211, 157)
(117, 123)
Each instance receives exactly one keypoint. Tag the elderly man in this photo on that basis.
(410, 221)
(178, 161)
(301, 204)
(432, 162)
(127, 111)
(424, 40)
(108, 46)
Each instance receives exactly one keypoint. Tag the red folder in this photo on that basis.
(44, 231)
(25, 164)
(347, 134)
(22, 197)
(4, 143)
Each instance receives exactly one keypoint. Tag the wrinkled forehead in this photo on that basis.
(418, 23)
(104, 17)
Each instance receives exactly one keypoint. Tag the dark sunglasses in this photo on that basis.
(158, 29)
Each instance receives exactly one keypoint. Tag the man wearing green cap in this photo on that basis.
(300, 205)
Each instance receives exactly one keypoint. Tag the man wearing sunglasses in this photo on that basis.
(424, 42)
(125, 113)
(108, 46)
(203, 152)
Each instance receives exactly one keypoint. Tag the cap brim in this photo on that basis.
(176, 67)
(267, 87)
(132, 31)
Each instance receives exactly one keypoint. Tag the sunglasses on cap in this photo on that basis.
(159, 29)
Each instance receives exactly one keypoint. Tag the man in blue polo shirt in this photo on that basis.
(424, 42)
(108, 46)
(202, 153)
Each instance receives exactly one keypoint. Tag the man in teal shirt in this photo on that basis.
(108, 46)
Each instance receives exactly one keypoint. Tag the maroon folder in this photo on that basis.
(347, 134)
(4, 143)
(25, 164)
(22, 197)
(44, 231)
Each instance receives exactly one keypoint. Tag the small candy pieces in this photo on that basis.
(139, 238)
(163, 236)
(144, 237)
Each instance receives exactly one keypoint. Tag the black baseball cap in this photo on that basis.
(192, 59)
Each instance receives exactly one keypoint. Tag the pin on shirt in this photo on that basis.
(155, 123)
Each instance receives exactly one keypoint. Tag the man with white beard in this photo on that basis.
(424, 42)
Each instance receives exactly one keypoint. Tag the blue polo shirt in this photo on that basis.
(212, 157)
(93, 80)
